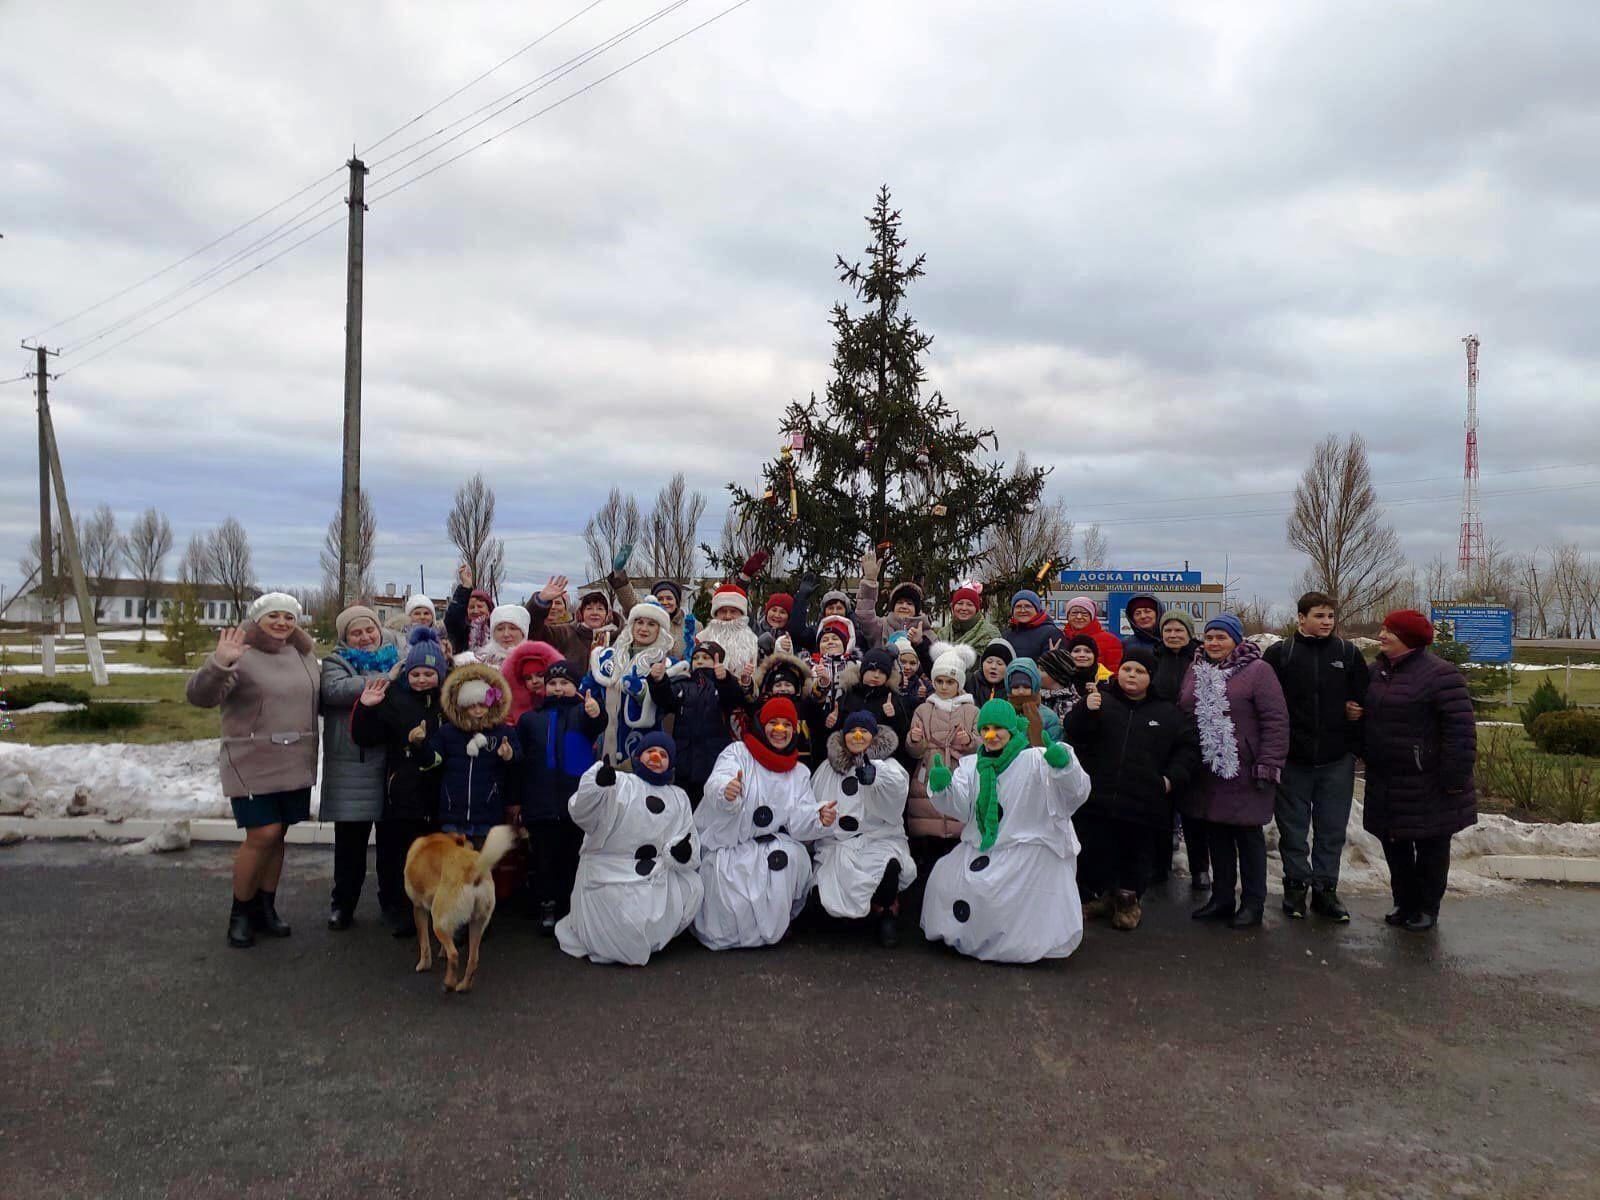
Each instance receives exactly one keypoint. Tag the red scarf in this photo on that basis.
(1038, 620)
(769, 758)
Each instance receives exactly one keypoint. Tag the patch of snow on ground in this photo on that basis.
(46, 706)
(112, 668)
(1265, 640)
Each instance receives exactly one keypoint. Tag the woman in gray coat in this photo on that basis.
(353, 776)
(264, 678)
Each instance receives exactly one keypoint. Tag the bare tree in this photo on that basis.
(1338, 523)
(366, 547)
(735, 541)
(229, 564)
(470, 527)
(1096, 550)
(101, 548)
(615, 524)
(1019, 545)
(194, 568)
(669, 545)
(145, 548)
(1535, 591)
(1438, 581)
(51, 592)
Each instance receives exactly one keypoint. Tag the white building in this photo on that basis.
(121, 604)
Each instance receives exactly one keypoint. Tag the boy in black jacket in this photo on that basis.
(1138, 750)
(557, 740)
(872, 687)
(1324, 680)
(401, 717)
(701, 704)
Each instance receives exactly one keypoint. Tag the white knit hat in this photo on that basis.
(271, 602)
(417, 600)
(514, 613)
(729, 596)
(649, 610)
(952, 662)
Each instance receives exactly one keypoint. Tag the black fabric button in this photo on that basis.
(655, 804)
(979, 863)
(644, 853)
(849, 824)
(849, 787)
(683, 851)
(999, 812)
(778, 860)
(764, 838)
(762, 817)
(644, 866)
(962, 910)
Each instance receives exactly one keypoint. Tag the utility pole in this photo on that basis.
(47, 648)
(69, 534)
(350, 489)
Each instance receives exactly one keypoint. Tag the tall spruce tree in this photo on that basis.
(882, 465)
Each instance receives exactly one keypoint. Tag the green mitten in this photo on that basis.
(1057, 755)
(939, 775)
(619, 560)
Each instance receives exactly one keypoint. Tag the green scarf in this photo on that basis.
(991, 766)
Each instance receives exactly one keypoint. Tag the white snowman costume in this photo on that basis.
(870, 830)
(756, 873)
(638, 883)
(1018, 900)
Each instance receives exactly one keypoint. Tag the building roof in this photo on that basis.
(161, 589)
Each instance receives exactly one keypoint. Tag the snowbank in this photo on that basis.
(46, 706)
(1265, 640)
(112, 668)
(177, 779)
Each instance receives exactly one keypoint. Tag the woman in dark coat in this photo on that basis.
(1421, 745)
(1243, 722)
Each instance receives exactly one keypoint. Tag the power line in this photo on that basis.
(558, 103)
(480, 78)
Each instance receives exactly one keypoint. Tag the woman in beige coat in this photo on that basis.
(944, 724)
(265, 678)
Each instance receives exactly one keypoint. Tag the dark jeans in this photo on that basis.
(1419, 869)
(1244, 846)
(394, 841)
(555, 846)
(1312, 811)
(350, 863)
(1196, 845)
(1116, 854)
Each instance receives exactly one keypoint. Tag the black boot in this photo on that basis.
(888, 930)
(1218, 908)
(547, 918)
(1294, 901)
(240, 934)
(1396, 916)
(264, 916)
(1325, 902)
(1422, 922)
(1248, 916)
(340, 918)
(398, 923)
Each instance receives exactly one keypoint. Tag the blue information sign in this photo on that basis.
(1131, 581)
(1485, 628)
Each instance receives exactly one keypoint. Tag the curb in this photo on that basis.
(306, 833)
(1543, 868)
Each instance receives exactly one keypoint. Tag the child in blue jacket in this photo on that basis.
(475, 745)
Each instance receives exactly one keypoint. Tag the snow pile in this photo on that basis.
(47, 706)
(112, 668)
(178, 779)
(174, 835)
(1364, 644)
(1265, 640)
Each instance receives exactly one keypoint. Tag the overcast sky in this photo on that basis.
(1169, 247)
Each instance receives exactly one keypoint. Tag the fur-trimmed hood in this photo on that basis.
(779, 659)
(850, 677)
(498, 711)
(258, 639)
(884, 743)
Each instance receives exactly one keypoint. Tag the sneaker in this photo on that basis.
(1294, 901)
(1325, 902)
(548, 920)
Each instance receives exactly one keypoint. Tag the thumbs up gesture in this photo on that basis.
(735, 787)
(939, 775)
(606, 776)
(591, 706)
(828, 813)
(419, 734)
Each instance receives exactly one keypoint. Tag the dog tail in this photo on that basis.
(495, 847)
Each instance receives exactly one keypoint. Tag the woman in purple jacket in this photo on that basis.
(1421, 744)
(1239, 709)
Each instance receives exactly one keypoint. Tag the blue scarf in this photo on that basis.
(371, 662)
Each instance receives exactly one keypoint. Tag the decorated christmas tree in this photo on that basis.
(877, 463)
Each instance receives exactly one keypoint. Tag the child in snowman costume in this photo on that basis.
(1008, 892)
(863, 859)
(638, 884)
(756, 811)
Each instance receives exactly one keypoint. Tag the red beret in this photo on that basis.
(781, 600)
(1410, 626)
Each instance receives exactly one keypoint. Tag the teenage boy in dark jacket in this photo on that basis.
(1138, 750)
(701, 704)
(1324, 680)
(557, 746)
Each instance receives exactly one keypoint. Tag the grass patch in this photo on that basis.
(171, 718)
(99, 718)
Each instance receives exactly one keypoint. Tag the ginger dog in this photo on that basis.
(449, 883)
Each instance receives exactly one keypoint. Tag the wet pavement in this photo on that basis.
(142, 1057)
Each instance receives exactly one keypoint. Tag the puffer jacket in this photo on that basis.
(873, 630)
(1421, 743)
(557, 742)
(1032, 641)
(472, 786)
(1260, 721)
(947, 730)
(1318, 676)
(1172, 668)
(412, 791)
(269, 713)
(1127, 746)
(1108, 643)
(353, 775)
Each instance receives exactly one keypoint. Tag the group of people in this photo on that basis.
(675, 774)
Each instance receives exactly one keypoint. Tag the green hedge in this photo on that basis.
(1568, 731)
(101, 716)
(43, 691)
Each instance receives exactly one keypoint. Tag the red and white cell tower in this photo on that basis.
(1471, 548)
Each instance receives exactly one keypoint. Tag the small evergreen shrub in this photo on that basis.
(1545, 699)
(98, 717)
(43, 691)
(1569, 731)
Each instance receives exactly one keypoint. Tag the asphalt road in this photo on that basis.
(142, 1057)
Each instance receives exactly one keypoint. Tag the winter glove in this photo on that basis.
(606, 776)
(619, 560)
(475, 744)
(753, 564)
(939, 775)
(1056, 754)
(867, 773)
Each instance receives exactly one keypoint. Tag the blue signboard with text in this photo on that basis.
(1131, 581)
(1485, 628)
